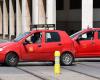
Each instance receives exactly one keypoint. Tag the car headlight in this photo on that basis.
(1, 49)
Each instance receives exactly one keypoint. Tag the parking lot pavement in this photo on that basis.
(12, 73)
(44, 71)
(17, 77)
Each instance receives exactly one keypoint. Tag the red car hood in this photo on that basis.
(6, 44)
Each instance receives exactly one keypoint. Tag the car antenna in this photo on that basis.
(88, 27)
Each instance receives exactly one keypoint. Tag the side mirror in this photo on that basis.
(26, 42)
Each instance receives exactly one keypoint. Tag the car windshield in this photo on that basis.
(73, 35)
(21, 36)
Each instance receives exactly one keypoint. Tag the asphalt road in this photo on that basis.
(81, 70)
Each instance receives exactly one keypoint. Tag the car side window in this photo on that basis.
(87, 36)
(52, 37)
(34, 38)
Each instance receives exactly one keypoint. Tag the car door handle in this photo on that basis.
(93, 42)
(59, 44)
(39, 45)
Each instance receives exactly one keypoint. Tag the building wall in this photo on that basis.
(72, 18)
(16, 16)
(67, 19)
(74, 14)
(67, 14)
(96, 17)
(1, 18)
(96, 14)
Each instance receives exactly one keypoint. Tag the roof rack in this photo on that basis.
(46, 26)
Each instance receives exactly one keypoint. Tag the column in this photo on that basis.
(11, 19)
(0, 17)
(25, 16)
(38, 12)
(18, 18)
(35, 12)
(5, 19)
(87, 14)
(42, 15)
(51, 11)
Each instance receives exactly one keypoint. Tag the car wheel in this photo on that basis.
(67, 59)
(53, 63)
(11, 59)
(3, 64)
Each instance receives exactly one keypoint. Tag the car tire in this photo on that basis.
(53, 63)
(67, 59)
(11, 59)
(3, 64)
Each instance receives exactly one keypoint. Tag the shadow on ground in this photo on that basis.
(26, 64)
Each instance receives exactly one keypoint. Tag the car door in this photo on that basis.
(52, 43)
(97, 44)
(85, 44)
(33, 47)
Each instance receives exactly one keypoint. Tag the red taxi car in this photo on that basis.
(87, 43)
(38, 45)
